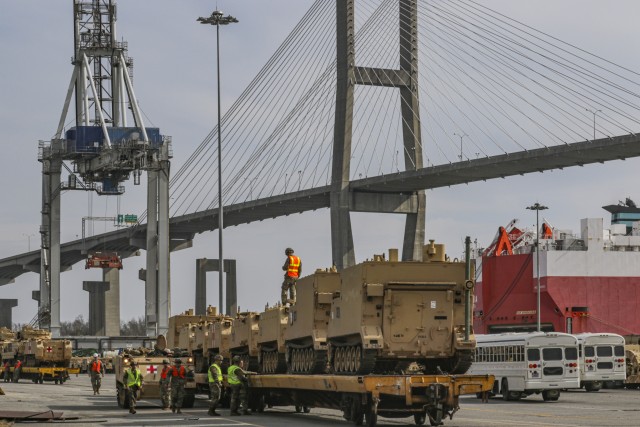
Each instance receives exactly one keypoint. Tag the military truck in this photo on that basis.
(150, 365)
(389, 314)
(306, 336)
(272, 326)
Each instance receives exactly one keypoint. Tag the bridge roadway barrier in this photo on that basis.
(365, 397)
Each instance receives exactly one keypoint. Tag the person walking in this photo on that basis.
(132, 384)
(293, 268)
(178, 381)
(17, 369)
(237, 379)
(165, 384)
(96, 372)
(7, 371)
(215, 384)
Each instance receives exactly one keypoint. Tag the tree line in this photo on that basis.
(80, 327)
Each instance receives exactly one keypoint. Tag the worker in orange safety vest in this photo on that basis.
(293, 269)
(96, 371)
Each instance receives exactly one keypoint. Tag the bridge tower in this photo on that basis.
(343, 199)
(104, 151)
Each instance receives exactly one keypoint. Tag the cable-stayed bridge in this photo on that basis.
(493, 98)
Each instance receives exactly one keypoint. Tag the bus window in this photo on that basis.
(618, 350)
(589, 352)
(552, 353)
(533, 354)
(570, 353)
(604, 351)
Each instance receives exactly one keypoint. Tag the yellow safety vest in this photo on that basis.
(218, 373)
(232, 378)
(134, 378)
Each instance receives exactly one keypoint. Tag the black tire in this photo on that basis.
(435, 416)
(504, 389)
(189, 400)
(420, 419)
(371, 419)
(306, 409)
(550, 395)
(593, 386)
(298, 408)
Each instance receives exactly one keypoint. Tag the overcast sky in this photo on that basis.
(174, 79)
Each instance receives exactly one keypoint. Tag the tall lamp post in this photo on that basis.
(217, 18)
(594, 112)
(28, 236)
(461, 135)
(538, 207)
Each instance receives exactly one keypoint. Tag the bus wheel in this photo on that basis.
(593, 386)
(550, 395)
(506, 395)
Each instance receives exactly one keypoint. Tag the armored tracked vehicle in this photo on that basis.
(390, 314)
(272, 325)
(306, 336)
(219, 338)
(244, 339)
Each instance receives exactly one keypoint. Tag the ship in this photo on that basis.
(589, 281)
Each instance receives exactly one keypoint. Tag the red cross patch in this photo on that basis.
(152, 369)
(49, 349)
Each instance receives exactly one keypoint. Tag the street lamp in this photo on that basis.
(218, 19)
(594, 120)
(28, 236)
(538, 207)
(462, 135)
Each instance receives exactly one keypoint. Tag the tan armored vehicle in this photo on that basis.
(633, 365)
(35, 347)
(150, 366)
(188, 331)
(218, 339)
(306, 336)
(390, 314)
(272, 325)
(244, 339)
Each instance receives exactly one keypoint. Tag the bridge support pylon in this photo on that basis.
(343, 200)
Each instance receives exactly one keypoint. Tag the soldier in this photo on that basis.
(178, 380)
(7, 371)
(165, 384)
(293, 269)
(215, 384)
(17, 369)
(132, 383)
(96, 372)
(238, 382)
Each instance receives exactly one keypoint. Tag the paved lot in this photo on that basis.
(75, 399)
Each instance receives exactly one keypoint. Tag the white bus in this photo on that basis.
(528, 363)
(602, 359)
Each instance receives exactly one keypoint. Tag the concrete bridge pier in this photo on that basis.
(112, 302)
(97, 306)
(6, 318)
(202, 266)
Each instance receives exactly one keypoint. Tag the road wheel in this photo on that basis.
(435, 416)
(420, 419)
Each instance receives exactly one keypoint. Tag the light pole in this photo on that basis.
(594, 120)
(218, 19)
(28, 236)
(538, 207)
(462, 135)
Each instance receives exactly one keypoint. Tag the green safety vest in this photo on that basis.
(134, 378)
(218, 373)
(232, 378)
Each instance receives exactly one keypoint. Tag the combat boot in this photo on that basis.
(213, 413)
(173, 409)
(246, 412)
(234, 413)
(132, 411)
(178, 411)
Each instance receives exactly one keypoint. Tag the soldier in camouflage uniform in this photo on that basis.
(96, 372)
(237, 379)
(178, 381)
(215, 384)
(165, 384)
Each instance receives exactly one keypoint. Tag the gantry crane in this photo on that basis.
(104, 150)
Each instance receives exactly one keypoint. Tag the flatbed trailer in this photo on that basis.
(363, 398)
(40, 374)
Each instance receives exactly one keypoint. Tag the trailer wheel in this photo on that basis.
(420, 419)
(370, 418)
(435, 415)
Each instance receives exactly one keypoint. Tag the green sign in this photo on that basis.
(127, 219)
